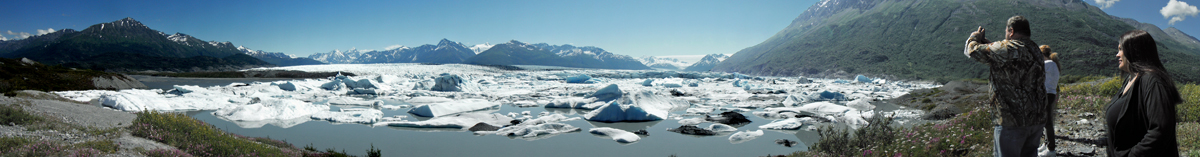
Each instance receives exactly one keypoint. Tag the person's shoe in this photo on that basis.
(1045, 152)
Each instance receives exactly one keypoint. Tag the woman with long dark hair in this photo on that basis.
(1141, 117)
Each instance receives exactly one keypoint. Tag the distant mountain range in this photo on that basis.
(924, 39)
(127, 45)
(445, 51)
(519, 53)
(278, 58)
(707, 63)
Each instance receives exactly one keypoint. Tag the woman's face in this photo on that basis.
(1123, 63)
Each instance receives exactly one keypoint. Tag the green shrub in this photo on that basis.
(7, 143)
(373, 152)
(106, 146)
(15, 115)
(968, 134)
(1189, 138)
(1189, 110)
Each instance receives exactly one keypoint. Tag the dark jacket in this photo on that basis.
(1142, 121)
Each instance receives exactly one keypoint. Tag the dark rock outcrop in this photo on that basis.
(483, 127)
(693, 130)
(729, 118)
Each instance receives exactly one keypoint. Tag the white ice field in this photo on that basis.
(457, 97)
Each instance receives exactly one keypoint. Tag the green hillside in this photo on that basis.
(925, 39)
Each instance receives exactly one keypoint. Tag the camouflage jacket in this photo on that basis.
(1016, 77)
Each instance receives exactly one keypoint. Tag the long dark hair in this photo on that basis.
(1142, 54)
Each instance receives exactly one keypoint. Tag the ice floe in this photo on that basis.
(744, 136)
(452, 107)
(618, 135)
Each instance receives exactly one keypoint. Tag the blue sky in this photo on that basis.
(630, 27)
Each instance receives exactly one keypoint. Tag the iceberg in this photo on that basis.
(350, 115)
(718, 127)
(614, 112)
(861, 105)
(862, 79)
(608, 93)
(744, 136)
(618, 135)
(184, 98)
(575, 103)
(819, 108)
(783, 124)
(648, 82)
(448, 83)
(269, 109)
(535, 128)
(581, 78)
(458, 106)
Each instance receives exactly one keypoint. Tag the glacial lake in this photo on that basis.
(355, 139)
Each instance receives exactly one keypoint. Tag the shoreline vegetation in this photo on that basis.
(1078, 126)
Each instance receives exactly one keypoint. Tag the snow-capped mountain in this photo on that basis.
(708, 62)
(519, 53)
(479, 48)
(445, 51)
(664, 63)
(278, 58)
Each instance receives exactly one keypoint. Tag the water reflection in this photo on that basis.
(281, 123)
(627, 126)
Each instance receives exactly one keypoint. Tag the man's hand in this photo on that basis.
(978, 33)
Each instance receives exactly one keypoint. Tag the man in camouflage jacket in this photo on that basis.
(1017, 78)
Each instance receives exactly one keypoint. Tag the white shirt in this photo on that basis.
(1051, 77)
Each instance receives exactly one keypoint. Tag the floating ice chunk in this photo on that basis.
(270, 109)
(525, 104)
(618, 135)
(288, 86)
(427, 99)
(459, 121)
(336, 84)
(350, 115)
(862, 79)
(700, 110)
(656, 104)
(819, 108)
(861, 105)
(841, 81)
(741, 83)
(744, 136)
(614, 112)
(827, 96)
(353, 101)
(854, 119)
(531, 132)
(718, 127)
(446, 108)
(783, 124)
(549, 119)
(692, 121)
(448, 83)
(394, 107)
(581, 78)
(608, 93)
(792, 100)
(648, 82)
(692, 83)
(576, 103)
